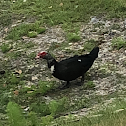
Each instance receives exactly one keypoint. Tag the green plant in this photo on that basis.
(57, 106)
(5, 47)
(40, 30)
(73, 37)
(32, 55)
(118, 43)
(44, 87)
(30, 30)
(35, 121)
(89, 85)
(41, 108)
(89, 45)
(32, 34)
(29, 45)
(14, 54)
(115, 26)
(14, 80)
(46, 120)
(15, 115)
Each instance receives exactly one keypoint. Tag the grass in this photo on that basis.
(89, 85)
(5, 13)
(30, 30)
(112, 115)
(32, 34)
(106, 117)
(6, 47)
(118, 43)
(90, 44)
(73, 37)
(52, 13)
(69, 15)
(17, 47)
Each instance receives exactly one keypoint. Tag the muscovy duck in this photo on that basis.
(71, 68)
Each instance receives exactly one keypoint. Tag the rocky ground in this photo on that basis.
(108, 72)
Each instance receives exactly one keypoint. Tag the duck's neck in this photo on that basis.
(51, 62)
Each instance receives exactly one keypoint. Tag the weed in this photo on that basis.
(72, 37)
(89, 85)
(46, 120)
(32, 34)
(80, 103)
(5, 19)
(32, 55)
(60, 46)
(14, 80)
(14, 55)
(115, 26)
(56, 107)
(41, 30)
(30, 30)
(15, 115)
(41, 108)
(29, 45)
(5, 47)
(118, 43)
(5, 13)
(43, 87)
(89, 45)
(53, 46)
(53, 107)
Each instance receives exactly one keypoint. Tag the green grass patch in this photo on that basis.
(89, 45)
(15, 115)
(73, 37)
(32, 34)
(89, 85)
(41, 30)
(114, 115)
(70, 14)
(14, 55)
(31, 30)
(40, 108)
(5, 13)
(32, 55)
(42, 88)
(6, 47)
(71, 11)
(118, 43)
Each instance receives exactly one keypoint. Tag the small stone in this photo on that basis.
(119, 110)
(29, 92)
(81, 48)
(61, 4)
(16, 92)
(94, 20)
(24, 37)
(61, 56)
(34, 78)
(70, 43)
(26, 109)
(75, 44)
(18, 71)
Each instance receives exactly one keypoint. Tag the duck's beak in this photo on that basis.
(37, 57)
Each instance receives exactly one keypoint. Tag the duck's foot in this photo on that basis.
(65, 86)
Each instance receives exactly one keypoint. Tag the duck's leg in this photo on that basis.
(66, 86)
(82, 80)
